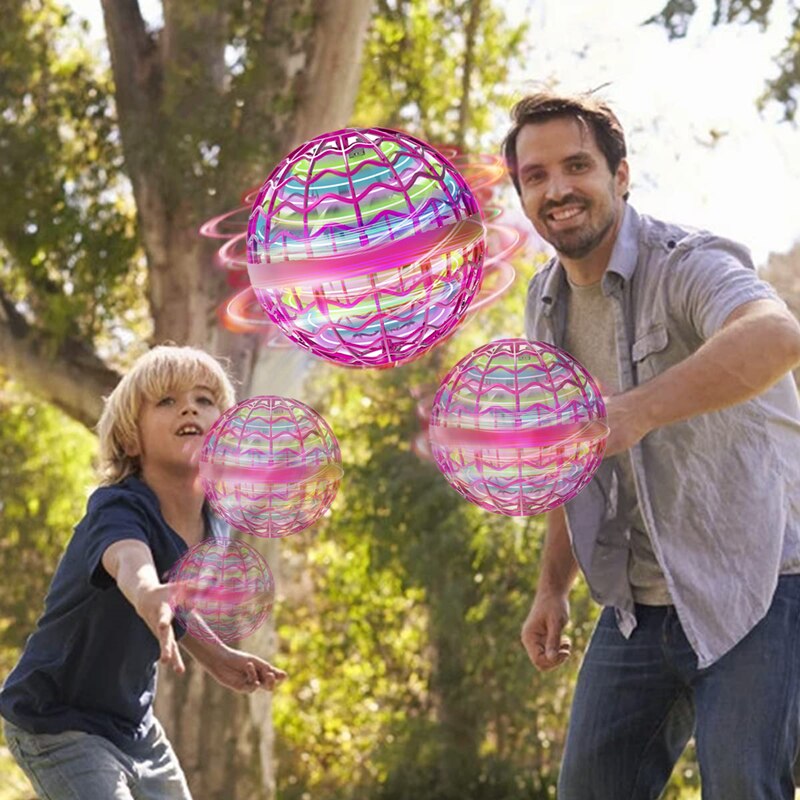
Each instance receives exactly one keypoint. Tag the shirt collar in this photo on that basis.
(621, 265)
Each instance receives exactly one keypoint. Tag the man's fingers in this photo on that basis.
(545, 646)
(552, 645)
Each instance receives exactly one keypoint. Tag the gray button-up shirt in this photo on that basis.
(719, 493)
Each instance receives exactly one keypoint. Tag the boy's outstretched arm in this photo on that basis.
(130, 563)
(234, 669)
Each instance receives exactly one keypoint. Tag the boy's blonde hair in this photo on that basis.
(166, 368)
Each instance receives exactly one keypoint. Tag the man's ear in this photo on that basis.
(623, 177)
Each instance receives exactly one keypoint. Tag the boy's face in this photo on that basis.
(566, 187)
(172, 428)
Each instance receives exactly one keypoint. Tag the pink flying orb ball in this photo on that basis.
(365, 247)
(221, 589)
(270, 466)
(518, 427)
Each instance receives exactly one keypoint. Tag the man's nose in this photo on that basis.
(558, 187)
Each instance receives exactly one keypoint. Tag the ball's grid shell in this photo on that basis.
(342, 214)
(223, 589)
(270, 466)
(510, 398)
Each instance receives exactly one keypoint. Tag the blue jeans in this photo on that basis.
(81, 766)
(639, 700)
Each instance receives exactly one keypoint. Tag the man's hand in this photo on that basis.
(626, 422)
(541, 632)
(243, 672)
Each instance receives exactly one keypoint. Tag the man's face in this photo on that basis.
(567, 190)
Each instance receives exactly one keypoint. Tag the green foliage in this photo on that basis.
(676, 16)
(45, 475)
(786, 86)
(405, 638)
(68, 248)
(413, 66)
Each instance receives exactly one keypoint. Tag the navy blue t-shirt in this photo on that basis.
(90, 665)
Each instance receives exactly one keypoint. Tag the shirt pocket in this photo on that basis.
(647, 352)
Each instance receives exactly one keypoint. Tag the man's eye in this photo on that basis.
(578, 166)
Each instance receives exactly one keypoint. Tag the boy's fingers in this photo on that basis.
(177, 662)
(170, 652)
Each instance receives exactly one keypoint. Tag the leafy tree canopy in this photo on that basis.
(784, 89)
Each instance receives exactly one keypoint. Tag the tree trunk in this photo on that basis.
(225, 742)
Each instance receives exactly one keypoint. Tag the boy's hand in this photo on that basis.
(245, 673)
(130, 563)
(153, 607)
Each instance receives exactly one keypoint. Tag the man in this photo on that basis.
(689, 533)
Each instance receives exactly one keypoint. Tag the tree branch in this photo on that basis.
(70, 376)
(464, 107)
(135, 61)
(138, 78)
(324, 104)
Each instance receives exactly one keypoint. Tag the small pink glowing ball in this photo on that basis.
(270, 466)
(518, 427)
(221, 588)
(366, 247)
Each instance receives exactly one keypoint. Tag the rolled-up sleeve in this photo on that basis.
(710, 278)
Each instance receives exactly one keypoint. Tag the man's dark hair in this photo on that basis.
(590, 112)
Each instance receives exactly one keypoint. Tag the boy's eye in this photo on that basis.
(165, 401)
(207, 400)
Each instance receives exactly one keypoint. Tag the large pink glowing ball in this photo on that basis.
(366, 247)
(518, 427)
(221, 589)
(270, 466)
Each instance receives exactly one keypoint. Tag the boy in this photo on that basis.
(78, 705)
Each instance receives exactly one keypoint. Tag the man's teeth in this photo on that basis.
(565, 213)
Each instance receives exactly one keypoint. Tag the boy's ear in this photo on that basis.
(132, 449)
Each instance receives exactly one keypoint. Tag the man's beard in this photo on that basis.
(581, 241)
